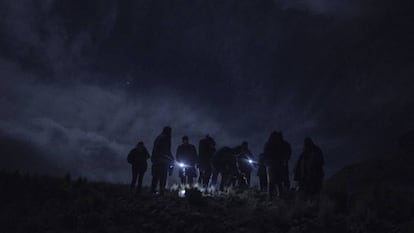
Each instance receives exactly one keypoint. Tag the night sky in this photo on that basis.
(83, 81)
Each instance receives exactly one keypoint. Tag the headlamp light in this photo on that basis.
(181, 193)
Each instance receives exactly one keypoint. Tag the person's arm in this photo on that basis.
(146, 153)
(155, 150)
(178, 154)
(168, 145)
(194, 156)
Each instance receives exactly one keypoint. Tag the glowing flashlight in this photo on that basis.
(181, 165)
(250, 161)
(181, 193)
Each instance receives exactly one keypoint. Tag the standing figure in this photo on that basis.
(245, 162)
(309, 170)
(287, 153)
(225, 164)
(206, 150)
(262, 174)
(187, 159)
(161, 160)
(138, 157)
(276, 153)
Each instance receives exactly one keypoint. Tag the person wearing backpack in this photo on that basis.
(187, 159)
(162, 161)
(275, 156)
(309, 172)
(138, 157)
(206, 150)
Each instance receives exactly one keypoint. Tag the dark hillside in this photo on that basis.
(377, 192)
(49, 204)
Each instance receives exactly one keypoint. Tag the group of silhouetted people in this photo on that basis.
(273, 168)
(233, 165)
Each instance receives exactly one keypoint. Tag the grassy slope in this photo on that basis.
(46, 204)
(376, 192)
(374, 196)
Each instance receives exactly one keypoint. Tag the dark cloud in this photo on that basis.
(55, 36)
(84, 80)
(89, 129)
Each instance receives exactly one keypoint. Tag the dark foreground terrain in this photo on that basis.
(375, 196)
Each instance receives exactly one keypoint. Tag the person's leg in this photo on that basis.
(280, 189)
(140, 178)
(261, 182)
(214, 178)
(191, 177)
(265, 185)
(134, 170)
(307, 189)
(242, 181)
(272, 190)
(301, 190)
(248, 175)
(182, 178)
(233, 180)
(225, 180)
(286, 179)
(154, 183)
(287, 182)
(229, 180)
(206, 178)
(155, 179)
(163, 179)
(316, 190)
(201, 177)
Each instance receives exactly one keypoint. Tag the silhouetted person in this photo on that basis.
(206, 150)
(187, 159)
(138, 157)
(285, 164)
(225, 164)
(262, 174)
(221, 160)
(275, 156)
(161, 160)
(309, 170)
(245, 162)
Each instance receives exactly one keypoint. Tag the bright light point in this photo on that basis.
(181, 164)
(181, 193)
(250, 161)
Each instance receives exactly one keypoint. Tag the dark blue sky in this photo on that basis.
(82, 81)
